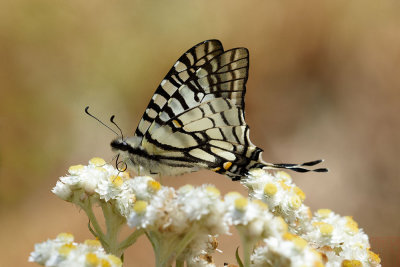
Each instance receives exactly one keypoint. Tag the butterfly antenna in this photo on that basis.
(298, 167)
(87, 112)
(113, 122)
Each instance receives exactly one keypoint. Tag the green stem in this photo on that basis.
(166, 248)
(114, 221)
(86, 205)
(179, 262)
(185, 241)
(154, 240)
(130, 239)
(247, 245)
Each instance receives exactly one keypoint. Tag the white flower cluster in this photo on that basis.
(337, 238)
(289, 250)
(102, 181)
(182, 225)
(64, 252)
(176, 211)
(180, 221)
(340, 239)
(252, 218)
(282, 196)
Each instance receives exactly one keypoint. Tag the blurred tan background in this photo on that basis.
(324, 83)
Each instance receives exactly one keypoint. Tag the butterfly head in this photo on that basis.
(127, 150)
(119, 144)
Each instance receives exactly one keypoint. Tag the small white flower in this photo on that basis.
(293, 252)
(63, 252)
(339, 238)
(281, 195)
(62, 190)
(253, 217)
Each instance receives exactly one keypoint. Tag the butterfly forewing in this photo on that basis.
(180, 73)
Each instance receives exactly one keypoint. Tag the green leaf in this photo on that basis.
(239, 261)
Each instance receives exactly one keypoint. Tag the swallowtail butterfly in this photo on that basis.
(195, 119)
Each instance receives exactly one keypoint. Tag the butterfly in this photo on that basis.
(195, 119)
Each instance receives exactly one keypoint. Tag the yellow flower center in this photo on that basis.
(241, 203)
(140, 206)
(324, 213)
(213, 190)
(115, 260)
(66, 237)
(318, 264)
(300, 193)
(283, 224)
(154, 185)
(233, 194)
(117, 181)
(324, 228)
(289, 236)
(97, 161)
(92, 243)
(295, 202)
(270, 189)
(351, 263)
(74, 169)
(300, 242)
(186, 188)
(65, 249)
(284, 185)
(92, 259)
(351, 224)
(105, 263)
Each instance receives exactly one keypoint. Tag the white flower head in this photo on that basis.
(282, 196)
(340, 239)
(252, 217)
(86, 178)
(175, 211)
(288, 250)
(103, 182)
(63, 252)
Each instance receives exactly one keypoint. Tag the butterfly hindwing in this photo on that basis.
(211, 135)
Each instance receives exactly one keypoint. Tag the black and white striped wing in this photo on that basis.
(195, 118)
(204, 72)
(179, 74)
(212, 135)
